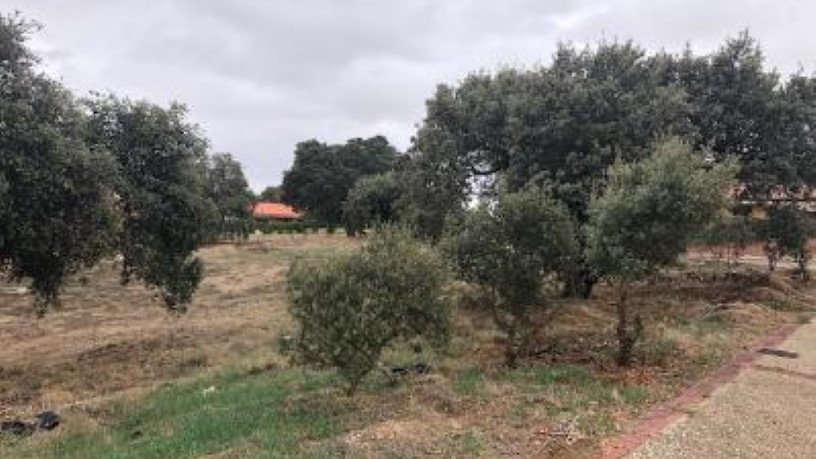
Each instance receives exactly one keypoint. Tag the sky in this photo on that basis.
(260, 76)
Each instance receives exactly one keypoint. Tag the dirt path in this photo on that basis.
(767, 411)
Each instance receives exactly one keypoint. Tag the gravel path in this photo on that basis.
(767, 411)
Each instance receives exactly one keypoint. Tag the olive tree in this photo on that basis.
(352, 306)
(161, 159)
(511, 249)
(728, 237)
(56, 197)
(646, 217)
(786, 233)
(227, 188)
(371, 201)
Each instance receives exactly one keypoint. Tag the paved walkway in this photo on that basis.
(767, 411)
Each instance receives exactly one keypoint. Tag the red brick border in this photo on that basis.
(650, 425)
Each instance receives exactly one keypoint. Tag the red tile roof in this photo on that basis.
(275, 210)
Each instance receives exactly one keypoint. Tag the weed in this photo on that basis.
(186, 420)
(470, 382)
(470, 444)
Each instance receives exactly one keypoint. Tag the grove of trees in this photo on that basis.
(526, 184)
(82, 179)
(602, 166)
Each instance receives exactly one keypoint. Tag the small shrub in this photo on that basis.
(647, 216)
(786, 233)
(469, 382)
(353, 306)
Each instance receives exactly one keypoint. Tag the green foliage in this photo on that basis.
(728, 236)
(648, 214)
(323, 174)
(351, 307)
(740, 108)
(510, 250)
(269, 415)
(786, 233)
(271, 194)
(162, 162)
(286, 227)
(370, 202)
(562, 125)
(558, 126)
(228, 189)
(56, 199)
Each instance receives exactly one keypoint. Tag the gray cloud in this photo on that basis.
(260, 76)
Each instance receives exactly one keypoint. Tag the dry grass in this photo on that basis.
(107, 338)
(114, 342)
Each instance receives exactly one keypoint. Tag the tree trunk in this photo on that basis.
(511, 353)
(802, 260)
(352, 388)
(581, 283)
(771, 253)
(628, 333)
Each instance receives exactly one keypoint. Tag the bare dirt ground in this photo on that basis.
(108, 341)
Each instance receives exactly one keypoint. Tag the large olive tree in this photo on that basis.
(161, 159)
(56, 195)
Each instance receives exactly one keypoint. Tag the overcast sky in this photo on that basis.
(259, 76)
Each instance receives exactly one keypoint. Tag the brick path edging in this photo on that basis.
(660, 417)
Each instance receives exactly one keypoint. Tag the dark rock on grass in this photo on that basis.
(419, 369)
(17, 428)
(48, 420)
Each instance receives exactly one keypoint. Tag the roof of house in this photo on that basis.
(275, 210)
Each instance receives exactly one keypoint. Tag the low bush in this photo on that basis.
(352, 306)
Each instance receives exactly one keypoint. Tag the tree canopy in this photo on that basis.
(740, 108)
(161, 159)
(323, 174)
(83, 179)
(56, 194)
(371, 201)
(558, 127)
(227, 188)
(271, 194)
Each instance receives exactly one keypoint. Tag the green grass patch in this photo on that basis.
(469, 382)
(270, 415)
(575, 387)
